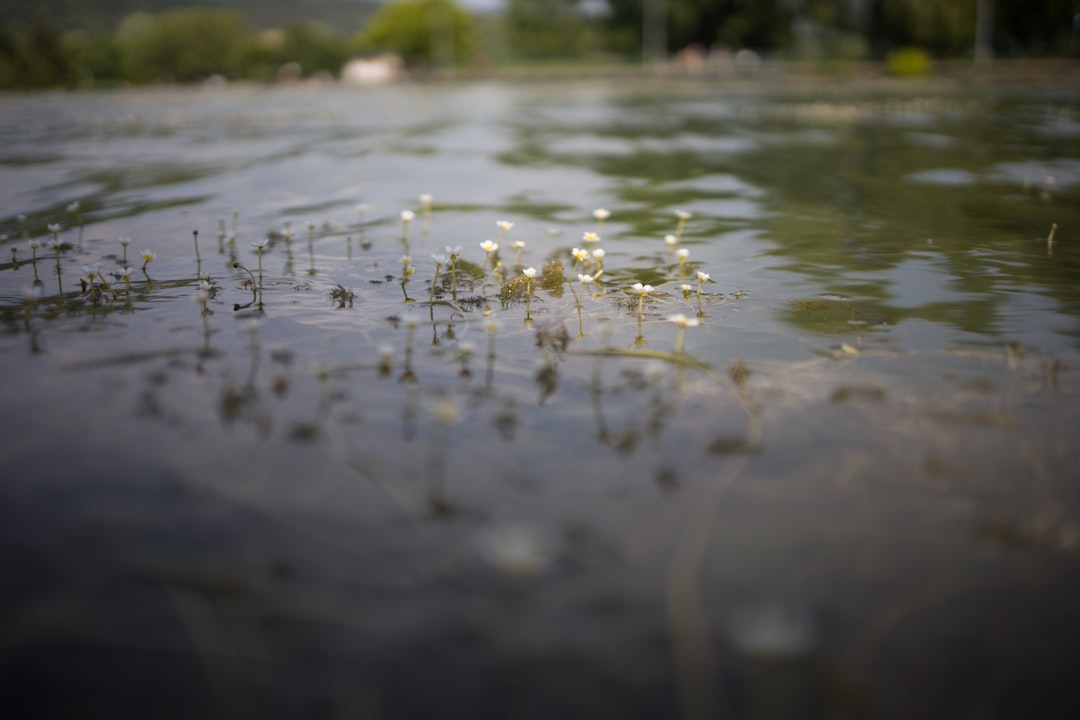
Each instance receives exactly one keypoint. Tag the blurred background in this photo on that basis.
(106, 43)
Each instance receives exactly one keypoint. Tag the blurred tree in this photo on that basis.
(422, 32)
(548, 29)
(182, 45)
(315, 47)
(95, 59)
(42, 61)
(9, 58)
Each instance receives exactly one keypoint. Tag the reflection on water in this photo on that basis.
(307, 477)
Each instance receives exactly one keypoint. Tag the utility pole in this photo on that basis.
(654, 33)
(984, 31)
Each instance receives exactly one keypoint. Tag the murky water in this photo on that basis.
(849, 491)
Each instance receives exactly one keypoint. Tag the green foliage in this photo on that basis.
(315, 47)
(908, 62)
(182, 45)
(425, 32)
(548, 29)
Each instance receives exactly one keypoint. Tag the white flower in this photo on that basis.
(465, 349)
(54, 227)
(641, 289)
(205, 286)
(591, 237)
(504, 225)
(125, 241)
(453, 252)
(601, 214)
(671, 240)
(683, 321)
(702, 277)
(489, 247)
(586, 279)
(73, 207)
(90, 270)
(407, 216)
(405, 259)
(682, 253)
(529, 272)
(148, 255)
(517, 244)
(410, 320)
(580, 254)
(439, 258)
(260, 245)
(34, 245)
(31, 293)
(686, 288)
(683, 215)
(425, 199)
(598, 253)
(385, 353)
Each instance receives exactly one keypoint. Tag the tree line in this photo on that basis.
(195, 43)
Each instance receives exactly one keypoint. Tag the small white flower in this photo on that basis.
(682, 253)
(54, 227)
(686, 288)
(671, 240)
(148, 255)
(260, 245)
(598, 253)
(465, 349)
(586, 279)
(641, 289)
(529, 272)
(489, 247)
(34, 245)
(73, 207)
(125, 241)
(683, 215)
(425, 199)
(504, 225)
(127, 272)
(91, 271)
(385, 353)
(31, 293)
(205, 286)
(517, 244)
(702, 277)
(407, 216)
(591, 237)
(601, 214)
(683, 321)
(453, 252)
(405, 259)
(580, 254)
(410, 320)
(439, 258)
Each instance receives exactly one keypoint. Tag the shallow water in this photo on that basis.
(852, 495)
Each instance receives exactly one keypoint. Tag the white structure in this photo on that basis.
(372, 70)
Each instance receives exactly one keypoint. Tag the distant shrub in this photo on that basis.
(908, 62)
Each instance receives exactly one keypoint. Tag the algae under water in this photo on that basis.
(321, 485)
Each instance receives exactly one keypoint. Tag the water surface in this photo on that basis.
(852, 494)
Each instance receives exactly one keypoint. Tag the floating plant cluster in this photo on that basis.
(493, 285)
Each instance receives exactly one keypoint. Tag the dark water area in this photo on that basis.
(825, 466)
